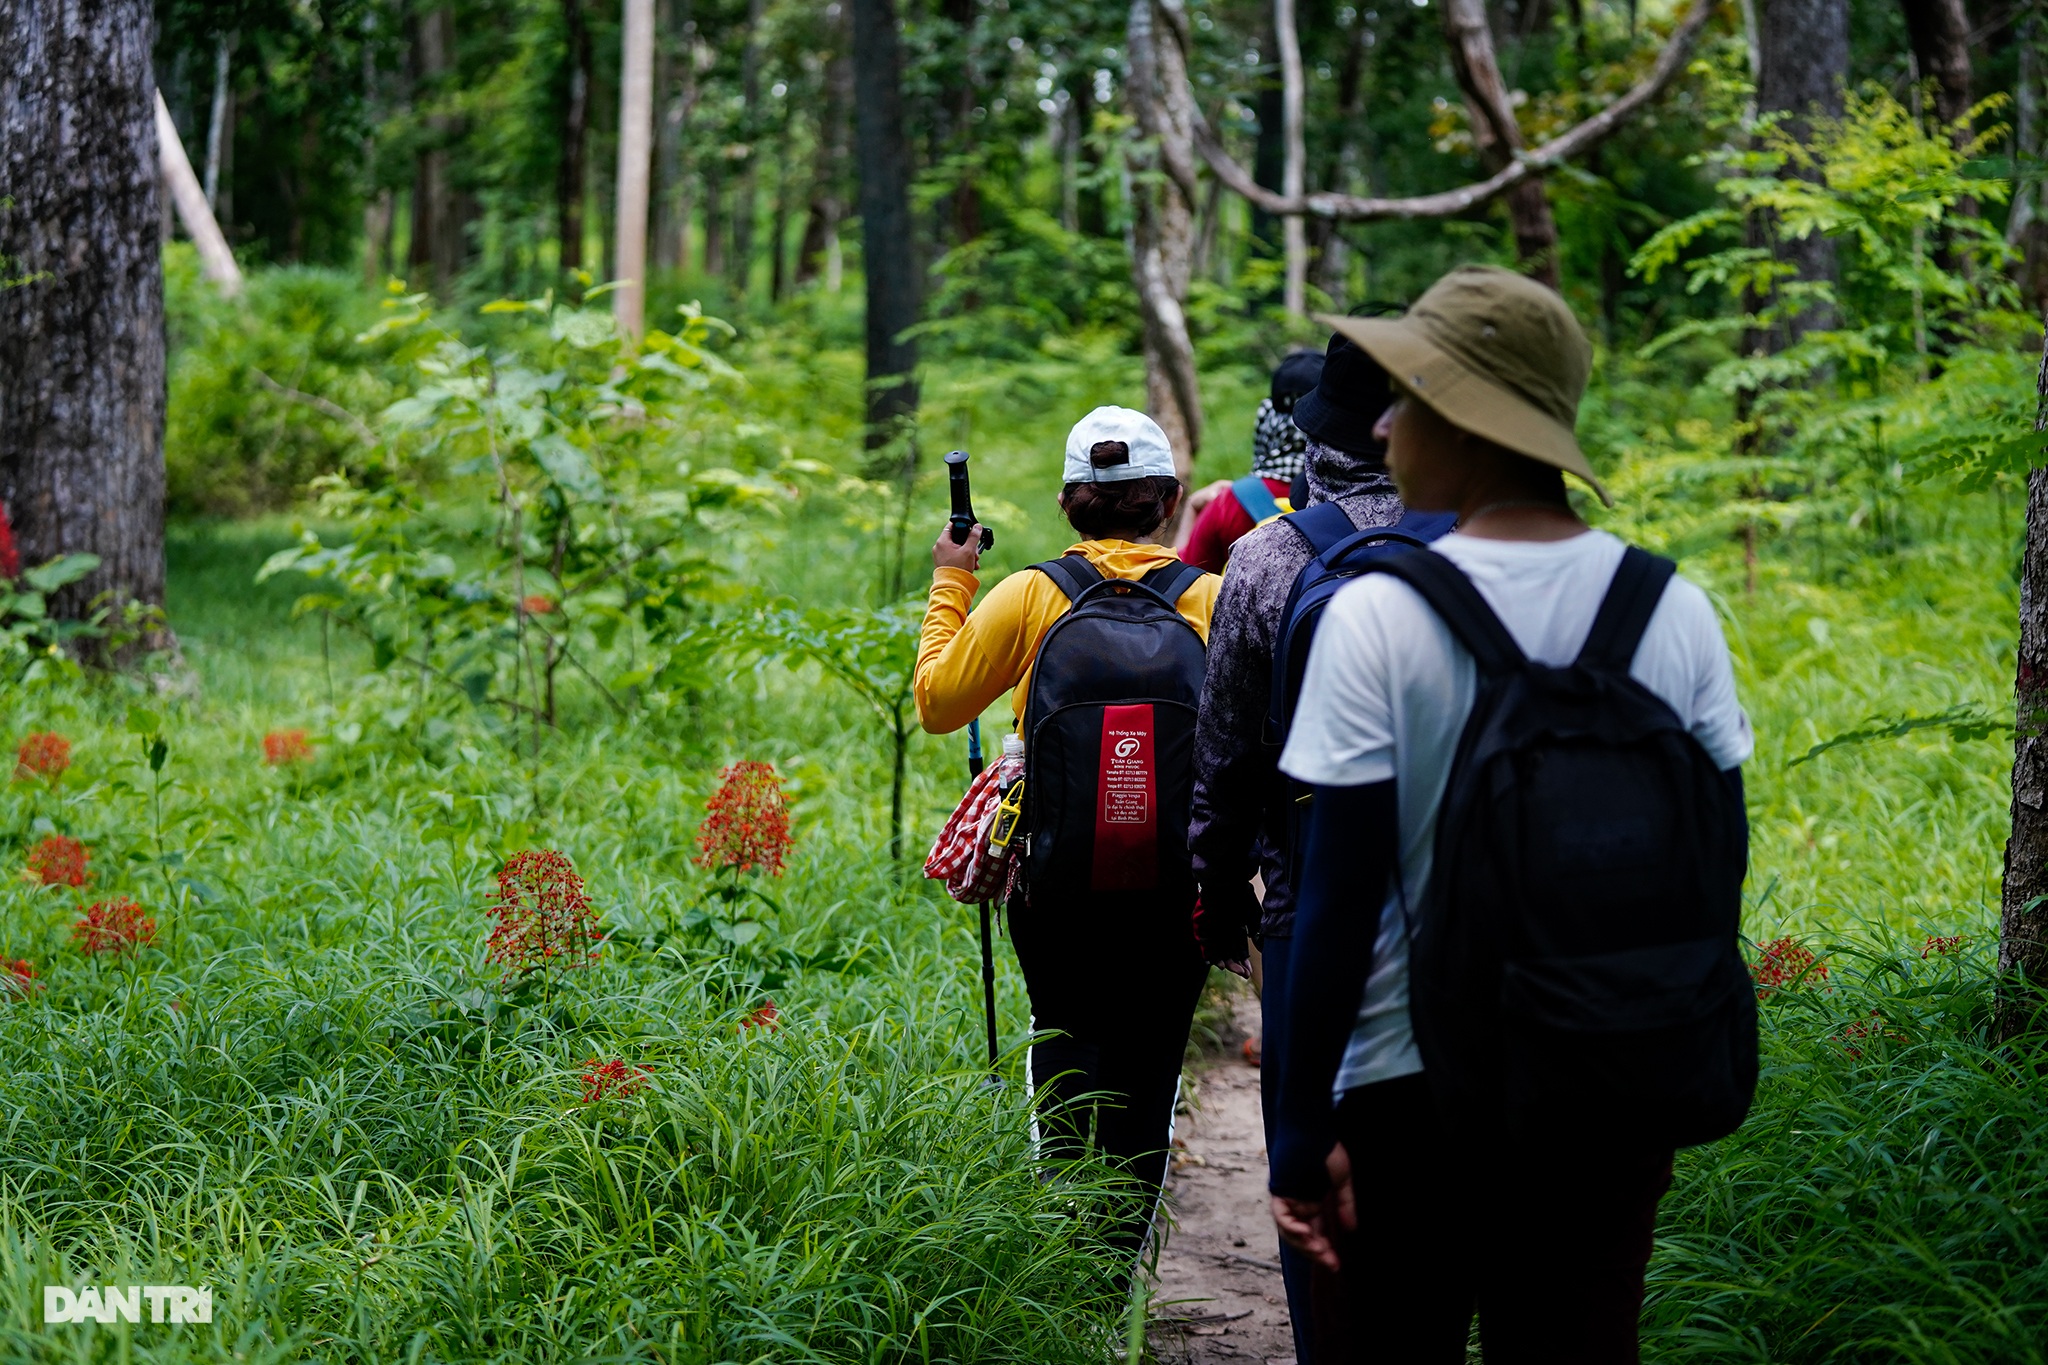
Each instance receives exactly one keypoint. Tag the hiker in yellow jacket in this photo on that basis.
(1100, 925)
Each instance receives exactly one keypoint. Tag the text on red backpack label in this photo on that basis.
(1127, 802)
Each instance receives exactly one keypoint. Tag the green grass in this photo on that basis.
(302, 1097)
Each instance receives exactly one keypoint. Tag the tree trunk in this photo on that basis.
(82, 338)
(220, 123)
(441, 213)
(1090, 217)
(888, 246)
(1162, 224)
(1294, 232)
(745, 195)
(959, 98)
(828, 174)
(569, 172)
(778, 231)
(675, 87)
(636, 163)
(216, 262)
(1498, 135)
(1940, 34)
(2023, 912)
(1269, 149)
(1803, 51)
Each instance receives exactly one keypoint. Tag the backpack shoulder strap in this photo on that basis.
(1453, 598)
(1632, 598)
(1073, 573)
(1322, 525)
(1256, 499)
(1171, 580)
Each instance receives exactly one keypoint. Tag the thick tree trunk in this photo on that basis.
(1803, 51)
(636, 163)
(1497, 134)
(1162, 236)
(569, 170)
(1294, 232)
(82, 340)
(888, 245)
(2023, 914)
(441, 212)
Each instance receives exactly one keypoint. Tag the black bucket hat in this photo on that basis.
(1348, 399)
(1297, 375)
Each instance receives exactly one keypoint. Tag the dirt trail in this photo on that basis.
(1218, 1297)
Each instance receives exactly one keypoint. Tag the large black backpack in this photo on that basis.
(1574, 968)
(1109, 733)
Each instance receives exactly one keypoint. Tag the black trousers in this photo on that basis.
(1549, 1248)
(1117, 977)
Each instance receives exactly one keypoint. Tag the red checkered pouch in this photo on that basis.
(960, 857)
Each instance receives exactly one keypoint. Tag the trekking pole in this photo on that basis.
(988, 950)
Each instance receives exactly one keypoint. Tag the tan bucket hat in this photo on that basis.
(1492, 352)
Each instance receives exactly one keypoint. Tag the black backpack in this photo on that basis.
(1109, 733)
(1574, 968)
(1340, 553)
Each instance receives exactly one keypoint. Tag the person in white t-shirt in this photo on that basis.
(1422, 1223)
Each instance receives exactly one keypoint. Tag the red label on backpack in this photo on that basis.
(1126, 803)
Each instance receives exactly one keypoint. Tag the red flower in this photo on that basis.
(43, 754)
(18, 978)
(537, 604)
(763, 1015)
(113, 927)
(612, 1079)
(1785, 963)
(10, 557)
(1937, 946)
(59, 861)
(540, 916)
(746, 824)
(1858, 1030)
(284, 747)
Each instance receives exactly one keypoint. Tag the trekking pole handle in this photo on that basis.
(975, 762)
(961, 522)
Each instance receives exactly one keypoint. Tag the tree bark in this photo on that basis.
(2023, 910)
(1294, 232)
(1161, 192)
(888, 246)
(1498, 135)
(441, 213)
(1803, 47)
(569, 170)
(82, 338)
(636, 163)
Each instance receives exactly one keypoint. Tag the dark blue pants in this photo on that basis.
(1294, 1267)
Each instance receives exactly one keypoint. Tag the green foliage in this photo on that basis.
(572, 529)
(32, 642)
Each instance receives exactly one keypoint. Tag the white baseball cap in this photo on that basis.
(1149, 456)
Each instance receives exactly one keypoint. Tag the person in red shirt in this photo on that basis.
(1226, 509)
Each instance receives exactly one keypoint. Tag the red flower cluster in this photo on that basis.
(612, 1079)
(540, 915)
(44, 754)
(18, 977)
(763, 1015)
(1783, 963)
(10, 557)
(59, 861)
(1936, 946)
(537, 604)
(113, 927)
(746, 824)
(284, 747)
